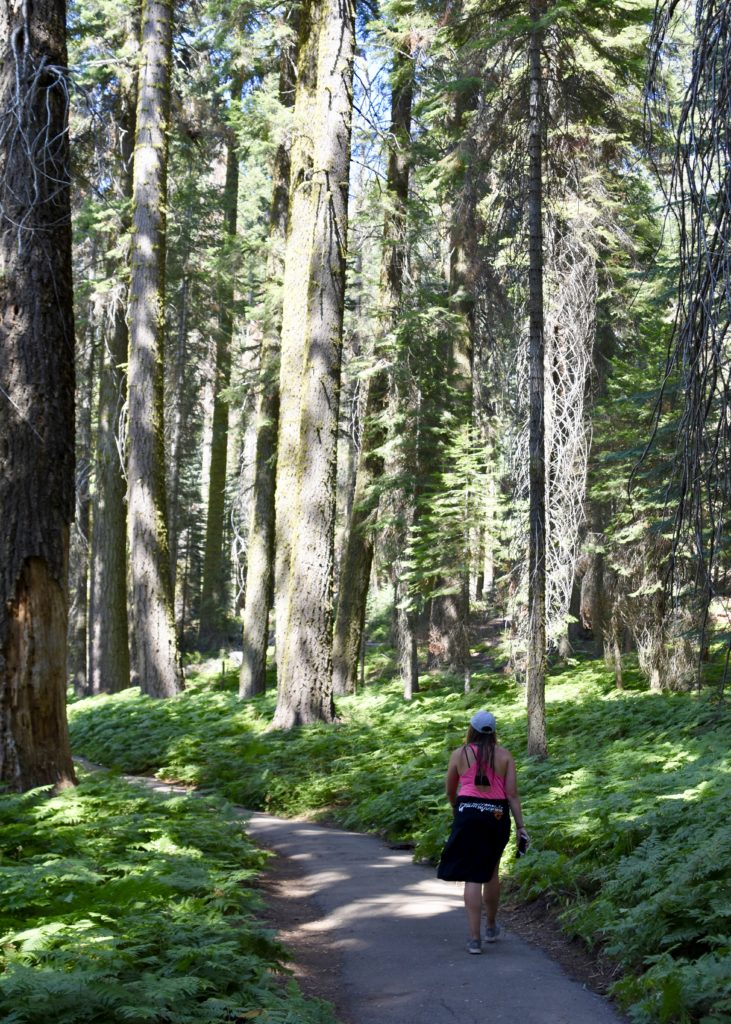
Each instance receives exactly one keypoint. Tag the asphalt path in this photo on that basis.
(400, 936)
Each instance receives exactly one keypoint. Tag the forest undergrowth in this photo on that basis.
(120, 905)
(627, 816)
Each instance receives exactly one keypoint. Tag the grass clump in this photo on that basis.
(123, 906)
(627, 815)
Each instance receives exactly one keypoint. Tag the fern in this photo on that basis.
(627, 815)
(122, 906)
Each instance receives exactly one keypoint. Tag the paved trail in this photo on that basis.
(400, 935)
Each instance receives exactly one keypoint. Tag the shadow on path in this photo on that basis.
(400, 935)
(396, 936)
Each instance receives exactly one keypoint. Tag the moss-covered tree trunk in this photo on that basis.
(260, 552)
(109, 663)
(37, 398)
(294, 309)
(536, 671)
(355, 569)
(314, 287)
(155, 651)
(215, 574)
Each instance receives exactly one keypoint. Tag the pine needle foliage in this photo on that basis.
(627, 821)
(120, 906)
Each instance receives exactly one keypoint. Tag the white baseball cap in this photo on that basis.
(483, 721)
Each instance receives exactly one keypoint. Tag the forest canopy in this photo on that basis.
(363, 303)
(399, 303)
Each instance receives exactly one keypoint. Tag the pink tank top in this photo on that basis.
(467, 785)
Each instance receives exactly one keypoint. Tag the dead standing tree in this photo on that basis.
(699, 197)
(36, 393)
(570, 322)
(536, 669)
(570, 328)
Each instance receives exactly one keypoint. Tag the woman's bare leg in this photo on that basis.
(491, 898)
(473, 906)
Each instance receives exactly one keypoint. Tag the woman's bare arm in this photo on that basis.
(451, 782)
(511, 792)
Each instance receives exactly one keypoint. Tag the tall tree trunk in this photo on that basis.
(36, 396)
(109, 661)
(294, 310)
(536, 696)
(613, 653)
(355, 570)
(405, 630)
(157, 661)
(260, 552)
(80, 546)
(213, 592)
(314, 291)
(176, 431)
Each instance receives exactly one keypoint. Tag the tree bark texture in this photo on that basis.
(536, 671)
(448, 640)
(294, 309)
(594, 610)
(260, 552)
(109, 661)
(314, 287)
(613, 655)
(156, 659)
(406, 648)
(213, 590)
(355, 570)
(36, 396)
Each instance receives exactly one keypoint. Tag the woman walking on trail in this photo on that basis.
(481, 785)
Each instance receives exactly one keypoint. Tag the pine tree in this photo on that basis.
(156, 660)
(314, 284)
(449, 604)
(109, 657)
(37, 396)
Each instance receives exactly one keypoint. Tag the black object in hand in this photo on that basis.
(522, 844)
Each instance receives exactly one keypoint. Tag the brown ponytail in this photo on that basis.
(485, 743)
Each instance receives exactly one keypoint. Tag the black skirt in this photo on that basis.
(480, 833)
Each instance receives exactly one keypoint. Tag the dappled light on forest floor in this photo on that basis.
(103, 878)
(619, 814)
